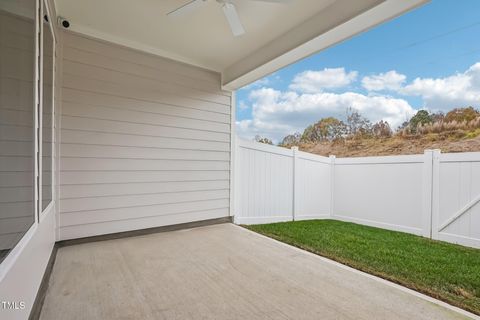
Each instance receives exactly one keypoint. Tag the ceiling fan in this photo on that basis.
(229, 10)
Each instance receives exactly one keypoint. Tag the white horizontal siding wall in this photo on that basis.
(145, 141)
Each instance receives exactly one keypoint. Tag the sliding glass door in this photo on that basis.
(46, 115)
(26, 118)
(17, 121)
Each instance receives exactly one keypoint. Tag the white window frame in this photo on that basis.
(12, 256)
(44, 5)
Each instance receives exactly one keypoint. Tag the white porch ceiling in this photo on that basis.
(203, 37)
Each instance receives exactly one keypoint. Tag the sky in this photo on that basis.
(427, 59)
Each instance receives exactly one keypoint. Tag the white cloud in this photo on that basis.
(458, 90)
(390, 80)
(242, 105)
(316, 81)
(276, 114)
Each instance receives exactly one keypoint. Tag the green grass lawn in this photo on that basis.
(442, 270)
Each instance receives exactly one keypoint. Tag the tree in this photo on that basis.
(438, 117)
(263, 139)
(327, 129)
(422, 117)
(462, 114)
(357, 125)
(382, 129)
(404, 125)
(291, 139)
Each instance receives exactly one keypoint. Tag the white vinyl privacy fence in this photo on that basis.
(433, 194)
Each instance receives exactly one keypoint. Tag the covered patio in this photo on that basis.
(221, 271)
(117, 117)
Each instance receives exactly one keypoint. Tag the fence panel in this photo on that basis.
(264, 183)
(435, 195)
(313, 187)
(385, 192)
(457, 206)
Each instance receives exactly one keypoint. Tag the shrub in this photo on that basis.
(291, 140)
(462, 114)
(382, 129)
(327, 129)
(357, 125)
(263, 140)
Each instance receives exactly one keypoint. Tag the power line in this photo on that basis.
(423, 41)
(438, 36)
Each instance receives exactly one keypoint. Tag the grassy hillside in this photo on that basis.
(392, 146)
(356, 136)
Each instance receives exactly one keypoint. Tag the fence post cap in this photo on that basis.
(432, 151)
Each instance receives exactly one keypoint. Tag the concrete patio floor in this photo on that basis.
(218, 272)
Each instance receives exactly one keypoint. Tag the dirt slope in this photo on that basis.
(391, 146)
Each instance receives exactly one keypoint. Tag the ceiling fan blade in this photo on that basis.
(233, 19)
(186, 8)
